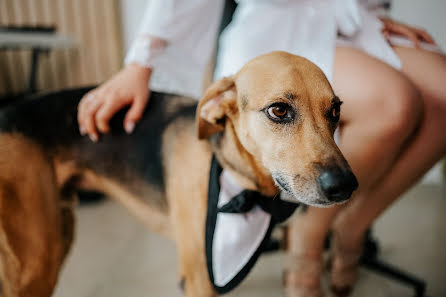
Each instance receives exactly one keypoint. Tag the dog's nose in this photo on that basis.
(337, 184)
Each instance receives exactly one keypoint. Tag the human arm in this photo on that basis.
(173, 47)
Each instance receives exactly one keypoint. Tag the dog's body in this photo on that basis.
(160, 172)
(44, 160)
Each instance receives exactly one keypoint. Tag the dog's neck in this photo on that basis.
(243, 166)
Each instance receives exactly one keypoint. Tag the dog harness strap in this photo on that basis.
(238, 227)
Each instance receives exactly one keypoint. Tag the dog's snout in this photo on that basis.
(337, 184)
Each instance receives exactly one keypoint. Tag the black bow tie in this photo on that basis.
(280, 210)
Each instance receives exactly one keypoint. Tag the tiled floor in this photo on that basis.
(115, 256)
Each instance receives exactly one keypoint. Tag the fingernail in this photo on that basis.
(93, 137)
(129, 127)
(82, 131)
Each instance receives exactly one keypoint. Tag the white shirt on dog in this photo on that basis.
(236, 236)
(177, 37)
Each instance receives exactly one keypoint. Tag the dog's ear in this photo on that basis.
(219, 99)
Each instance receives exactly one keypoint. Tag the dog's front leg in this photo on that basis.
(192, 262)
(188, 217)
(187, 162)
(193, 272)
(188, 220)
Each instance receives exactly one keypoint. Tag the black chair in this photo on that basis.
(371, 261)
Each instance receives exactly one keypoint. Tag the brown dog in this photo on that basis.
(271, 126)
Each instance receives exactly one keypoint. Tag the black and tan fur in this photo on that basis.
(160, 172)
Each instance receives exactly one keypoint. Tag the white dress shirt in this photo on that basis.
(177, 37)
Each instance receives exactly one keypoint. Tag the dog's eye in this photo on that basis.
(335, 112)
(279, 112)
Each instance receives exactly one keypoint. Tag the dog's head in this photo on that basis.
(282, 113)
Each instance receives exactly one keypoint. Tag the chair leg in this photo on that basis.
(369, 260)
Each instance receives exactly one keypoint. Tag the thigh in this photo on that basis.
(427, 70)
(370, 88)
(381, 109)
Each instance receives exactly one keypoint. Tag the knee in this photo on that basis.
(401, 108)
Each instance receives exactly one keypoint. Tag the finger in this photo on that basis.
(81, 110)
(88, 120)
(403, 30)
(386, 35)
(106, 112)
(135, 113)
(411, 35)
(425, 36)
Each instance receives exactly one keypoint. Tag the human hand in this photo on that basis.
(392, 27)
(129, 87)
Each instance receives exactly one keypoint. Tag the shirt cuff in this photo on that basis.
(144, 50)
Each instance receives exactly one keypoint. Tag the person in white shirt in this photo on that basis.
(389, 75)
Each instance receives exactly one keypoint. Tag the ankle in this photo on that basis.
(303, 270)
(348, 238)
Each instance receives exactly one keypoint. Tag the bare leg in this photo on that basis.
(427, 71)
(381, 110)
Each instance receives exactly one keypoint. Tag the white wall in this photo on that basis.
(131, 14)
(428, 14)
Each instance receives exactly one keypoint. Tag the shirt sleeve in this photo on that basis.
(176, 39)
